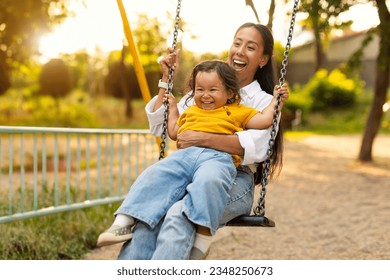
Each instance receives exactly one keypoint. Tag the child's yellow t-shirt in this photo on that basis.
(227, 120)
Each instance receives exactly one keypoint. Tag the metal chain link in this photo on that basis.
(259, 210)
(170, 85)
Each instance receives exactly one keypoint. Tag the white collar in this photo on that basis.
(251, 89)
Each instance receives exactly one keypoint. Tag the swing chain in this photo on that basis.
(259, 210)
(283, 71)
(170, 86)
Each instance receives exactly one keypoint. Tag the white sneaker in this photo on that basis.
(115, 234)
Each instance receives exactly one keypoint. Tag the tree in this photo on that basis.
(55, 79)
(22, 23)
(322, 19)
(121, 82)
(151, 44)
(381, 83)
(271, 12)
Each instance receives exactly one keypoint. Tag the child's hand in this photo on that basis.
(171, 99)
(281, 90)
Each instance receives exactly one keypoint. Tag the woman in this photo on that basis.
(251, 57)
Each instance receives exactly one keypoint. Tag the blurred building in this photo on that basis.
(301, 66)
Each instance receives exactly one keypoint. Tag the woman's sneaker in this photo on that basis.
(197, 254)
(115, 234)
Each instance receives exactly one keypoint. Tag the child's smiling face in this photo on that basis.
(210, 92)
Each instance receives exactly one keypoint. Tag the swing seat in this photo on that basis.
(251, 221)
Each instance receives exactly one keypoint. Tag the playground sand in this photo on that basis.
(326, 207)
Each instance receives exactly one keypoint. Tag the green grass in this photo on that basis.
(64, 236)
(110, 113)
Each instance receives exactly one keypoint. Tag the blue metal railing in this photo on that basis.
(49, 170)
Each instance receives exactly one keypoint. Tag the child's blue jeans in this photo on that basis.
(202, 177)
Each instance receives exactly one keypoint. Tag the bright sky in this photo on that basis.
(212, 21)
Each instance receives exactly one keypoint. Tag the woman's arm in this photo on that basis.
(255, 144)
(252, 144)
(167, 62)
(154, 109)
(225, 143)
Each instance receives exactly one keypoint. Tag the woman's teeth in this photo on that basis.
(238, 63)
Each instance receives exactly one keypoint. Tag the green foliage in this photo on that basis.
(333, 121)
(279, 50)
(19, 107)
(324, 95)
(323, 16)
(298, 99)
(80, 67)
(331, 90)
(26, 74)
(150, 41)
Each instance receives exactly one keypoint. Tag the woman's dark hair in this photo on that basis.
(225, 72)
(266, 77)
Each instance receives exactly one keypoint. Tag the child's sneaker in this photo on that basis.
(115, 234)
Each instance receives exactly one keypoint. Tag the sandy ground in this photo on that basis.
(325, 205)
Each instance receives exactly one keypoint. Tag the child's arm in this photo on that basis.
(173, 116)
(264, 119)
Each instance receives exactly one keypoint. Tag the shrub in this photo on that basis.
(298, 100)
(332, 90)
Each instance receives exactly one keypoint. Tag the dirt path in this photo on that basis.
(325, 205)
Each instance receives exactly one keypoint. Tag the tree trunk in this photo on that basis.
(271, 13)
(250, 4)
(375, 115)
(4, 77)
(125, 86)
(320, 54)
(381, 84)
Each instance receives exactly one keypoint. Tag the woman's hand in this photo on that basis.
(281, 90)
(189, 138)
(171, 60)
(226, 143)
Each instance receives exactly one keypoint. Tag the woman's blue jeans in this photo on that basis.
(202, 177)
(173, 237)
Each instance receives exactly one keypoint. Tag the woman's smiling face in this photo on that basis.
(247, 54)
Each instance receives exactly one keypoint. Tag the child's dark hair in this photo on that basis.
(226, 73)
